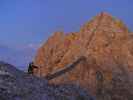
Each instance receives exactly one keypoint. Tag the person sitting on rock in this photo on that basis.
(31, 68)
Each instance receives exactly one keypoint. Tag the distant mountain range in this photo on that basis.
(19, 57)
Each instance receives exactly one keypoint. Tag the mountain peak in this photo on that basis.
(104, 21)
(104, 42)
(103, 14)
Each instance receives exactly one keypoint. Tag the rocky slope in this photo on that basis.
(17, 85)
(108, 69)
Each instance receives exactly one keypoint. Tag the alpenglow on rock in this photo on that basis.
(17, 85)
(106, 44)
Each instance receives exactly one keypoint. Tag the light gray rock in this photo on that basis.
(17, 85)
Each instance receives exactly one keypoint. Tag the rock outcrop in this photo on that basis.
(17, 85)
(106, 44)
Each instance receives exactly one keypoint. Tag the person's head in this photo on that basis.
(31, 63)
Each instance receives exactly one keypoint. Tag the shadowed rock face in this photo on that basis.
(17, 85)
(108, 69)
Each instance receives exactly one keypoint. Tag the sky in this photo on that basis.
(28, 23)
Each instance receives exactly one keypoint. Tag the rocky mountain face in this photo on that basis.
(17, 85)
(106, 44)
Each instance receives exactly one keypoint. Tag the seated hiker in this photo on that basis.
(31, 68)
